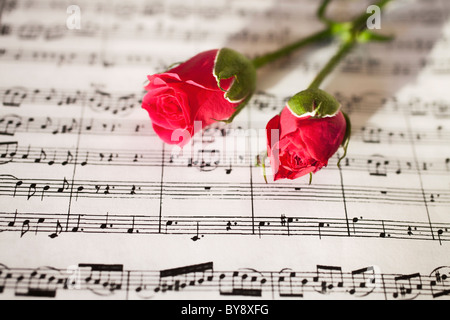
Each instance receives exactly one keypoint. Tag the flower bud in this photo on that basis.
(306, 134)
(213, 85)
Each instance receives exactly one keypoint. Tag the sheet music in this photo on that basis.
(94, 205)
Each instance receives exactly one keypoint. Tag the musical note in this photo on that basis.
(58, 230)
(290, 284)
(179, 278)
(47, 123)
(124, 104)
(364, 281)
(14, 97)
(9, 124)
(377, 166)
(100, 100)
(25, 227)
(65, 186)
(320, 226)
(262, 224)
(103, 279)
(42, 156)
(247, 282)
(131, 230)
(440, 232)
(79, 189)
(170, 223)
(107, 279)
(7, 153)
(68, 159)
(105, 225)
(286, 222)
(407, 286)
(31, 190)
(40, 220)
(26, 155)
(208, 159)
(77, 228)
(45, 188)
(41, 282)
(329, 278)
(371, 135)
(383, 234)
(52, 162)
(439, 285)
(12, 223)
(197, 236)
(85, 162)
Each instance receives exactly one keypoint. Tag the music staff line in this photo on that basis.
(122, 103)
(352, 65)
(11, 124)
(141, 31)
(205, 159)
(11, 186)
(112, 280)
(93, 29)
(180, 10)
(197, 227)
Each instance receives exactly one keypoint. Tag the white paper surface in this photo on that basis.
(94, 206)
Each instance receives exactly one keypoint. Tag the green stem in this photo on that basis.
(329, 67)
(272, 56)
(358, 24)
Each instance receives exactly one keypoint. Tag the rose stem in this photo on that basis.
(258, 62)
(357, 24)
(343, 50)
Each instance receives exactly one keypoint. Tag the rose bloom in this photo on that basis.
(185, 94)
(302, 144)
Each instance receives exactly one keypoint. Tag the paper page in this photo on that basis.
(95, 206)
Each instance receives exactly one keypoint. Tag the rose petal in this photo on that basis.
(324, 136)
(199, 70)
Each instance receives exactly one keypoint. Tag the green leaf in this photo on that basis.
(314, 102)
(232, 64)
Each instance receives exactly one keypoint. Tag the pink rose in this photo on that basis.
(189, 93)
(298, 145)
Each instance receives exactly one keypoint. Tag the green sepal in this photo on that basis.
(368, 36)
(315, 102)
(262, 163)
(232, 64)
(346, 141)
(310, 178)
(264, 171)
